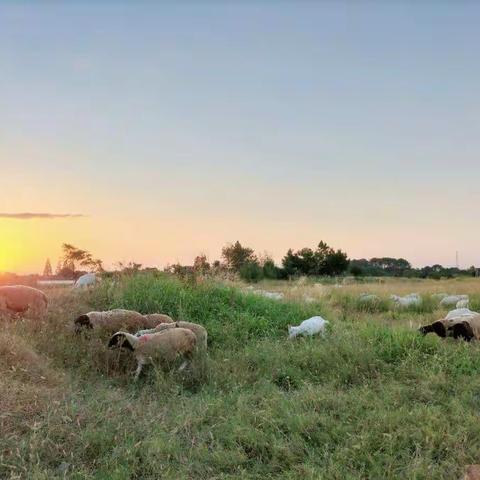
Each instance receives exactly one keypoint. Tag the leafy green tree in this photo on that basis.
(235, 256)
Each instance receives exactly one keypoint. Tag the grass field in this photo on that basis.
(372, 400)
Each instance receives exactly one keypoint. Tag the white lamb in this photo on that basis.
(309, 327)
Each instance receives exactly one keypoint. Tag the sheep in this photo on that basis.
(407, 300)
(466, 328)
(86, 280)
(114, 320)
(452, 300)
(309, 327)
(23, 300)
(199, 331)
(165, 346)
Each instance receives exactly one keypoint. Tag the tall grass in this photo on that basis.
(368, 401)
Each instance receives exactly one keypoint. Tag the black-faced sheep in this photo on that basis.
(163, 346)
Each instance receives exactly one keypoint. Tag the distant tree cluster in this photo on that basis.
(399, 267)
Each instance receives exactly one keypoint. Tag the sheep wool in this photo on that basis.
(164, 346)
(23, 300)
(199, 331)
(112, 321)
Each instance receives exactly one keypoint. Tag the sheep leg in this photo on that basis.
(138, 370)
(183, 365)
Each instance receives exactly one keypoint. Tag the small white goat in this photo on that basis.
(308, 327)
(368, 298)
(87, 280)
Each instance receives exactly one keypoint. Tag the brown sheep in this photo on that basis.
(23, 300)
(113, 321)
(199, 331)
(165, 346)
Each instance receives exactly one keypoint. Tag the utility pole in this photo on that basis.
(456, 261)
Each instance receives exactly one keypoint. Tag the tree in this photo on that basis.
(235, 256)
(47, 270)
(73, 256)
(200, 264)
(323, 261)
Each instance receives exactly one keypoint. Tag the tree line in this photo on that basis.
(241, 260)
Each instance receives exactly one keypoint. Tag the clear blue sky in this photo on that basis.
(179, 128)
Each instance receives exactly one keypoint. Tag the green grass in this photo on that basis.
(370, 400)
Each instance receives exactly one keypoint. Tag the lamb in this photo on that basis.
(165, 346)
(23, 300)
(452, 300)
(200, 332)
(115, 320)
(466, 328)
(407, 300)
(309, 327)
(87, 280)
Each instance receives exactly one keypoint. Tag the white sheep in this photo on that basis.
(23, 300)
(407, 300)
(199, 331)
(452, 300)
(439, 296)
(164, 346)
(87, 280)
(309, 327)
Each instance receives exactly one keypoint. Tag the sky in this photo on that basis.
(161, 130)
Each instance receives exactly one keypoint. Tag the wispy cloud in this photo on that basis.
(30, 216)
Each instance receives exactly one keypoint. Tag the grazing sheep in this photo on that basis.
(199, 331)
(87, 280)
(23, 300)
(309, 327)
(452, 300)
(165, 346)
(407, 300)
(114, 320)
(466, 328)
